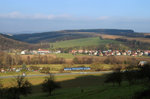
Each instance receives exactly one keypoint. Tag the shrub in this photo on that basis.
(34, 68)
(45, 70)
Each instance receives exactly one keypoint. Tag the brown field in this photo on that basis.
(31, 56)
(145, 40)
(146, 33)
(105, 36)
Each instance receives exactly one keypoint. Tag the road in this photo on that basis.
(41, 75)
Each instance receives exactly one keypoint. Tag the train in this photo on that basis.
(77, 68)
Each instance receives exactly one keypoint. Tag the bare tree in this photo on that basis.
(49, 85)
(22, 87)
(115, 77)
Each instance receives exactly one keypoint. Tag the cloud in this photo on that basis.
(39, 22)
(103, 18)
(18, 15)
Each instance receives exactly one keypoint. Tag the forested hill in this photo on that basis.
(72, 34)
(112, 31)
(6, 43)
(49, 36)
(121, 32)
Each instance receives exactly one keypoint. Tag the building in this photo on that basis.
(43, 51)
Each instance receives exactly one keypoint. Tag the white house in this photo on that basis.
(23, 52)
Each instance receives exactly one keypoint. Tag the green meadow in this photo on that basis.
(86, 87)
(83, 42)
(80, 87)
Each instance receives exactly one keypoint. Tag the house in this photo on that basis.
(57, 52)
(140, 53)
(34, 52)
(124, 53)
(80, 51)
(43, 51)
(2, 70)
(145, 52)
(86, 51)
(118, 53)
(112, 53)
(74, 51)
(96, 53)
(23, 52)
(142, 63)
(100, 54)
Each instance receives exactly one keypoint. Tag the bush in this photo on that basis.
(45, 70)
(97, 67)
(24, 68)
(34, 68)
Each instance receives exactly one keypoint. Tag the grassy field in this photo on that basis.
(57, 68)
(94, 41)
(92, 92)
(80, 87)
(54, 68)
(67, 55)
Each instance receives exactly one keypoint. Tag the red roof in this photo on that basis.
(43, 50)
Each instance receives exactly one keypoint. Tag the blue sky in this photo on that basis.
(49, 15)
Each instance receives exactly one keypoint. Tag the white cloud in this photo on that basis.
(103, 18)
(18, 15)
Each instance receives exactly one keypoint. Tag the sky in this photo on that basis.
(20, 16)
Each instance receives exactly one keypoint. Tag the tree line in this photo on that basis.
(133, 74)
(135, 44)
(11, 60)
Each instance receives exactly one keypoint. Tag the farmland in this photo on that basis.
(141, 39)
(94, 41)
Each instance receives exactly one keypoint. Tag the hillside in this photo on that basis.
(49, 36)
(121, 32)
(72, 34)
(88, 42)
(6, 43)
(77, 38)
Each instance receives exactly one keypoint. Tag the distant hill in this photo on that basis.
(7, 43)
(121, 32)
(49, 36)
(72, 34)
(69, 38)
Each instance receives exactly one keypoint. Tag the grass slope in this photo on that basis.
(93, 92)
(92, 86)
(84, 42)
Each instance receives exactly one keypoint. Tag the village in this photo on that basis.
(90, 52)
